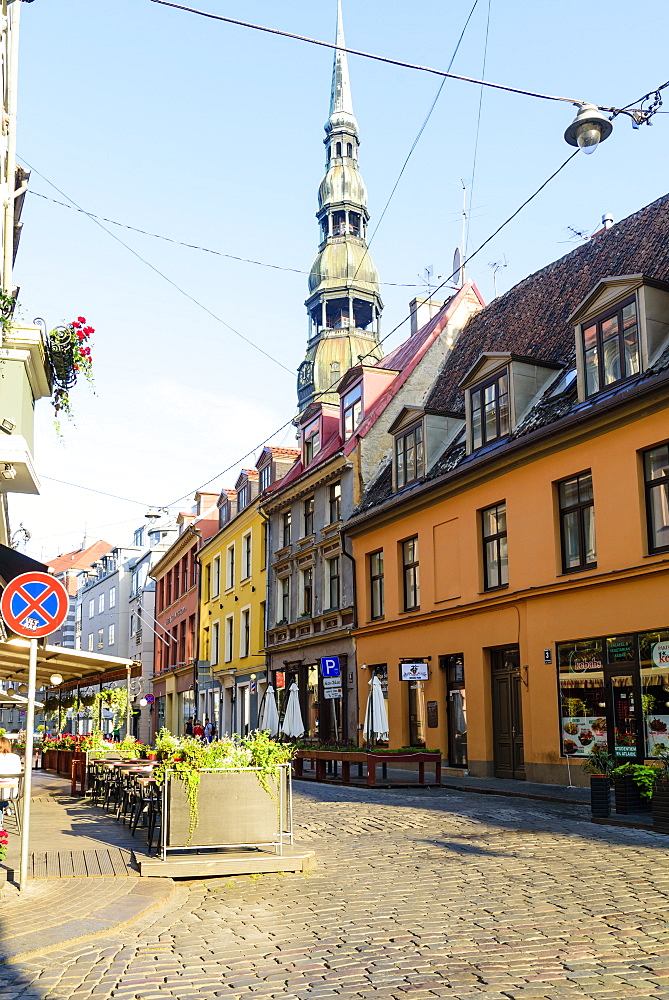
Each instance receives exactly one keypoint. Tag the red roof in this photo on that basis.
(80, 558)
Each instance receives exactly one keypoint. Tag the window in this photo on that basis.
(334, 502)
(132, 625)
(611, 347)
(284, 599)
(111, 635)
(215, 629)
(307, 590)
(338, 149)
(312, 441)
(495, 558)
(91, 608)
(230, 568)
(577, 523)
(352, 410)
(349, 149)
(139, 537)
(246, 556)
(216, 576)
(229, 637)
(285, 528)
(112, 597)
(376, 585)
(410, 573)
(490, 411)
(333, 583)
(90, 642)
(409, 456)
(207, 584)
(101, 603)
(177, 580)
(265, 477)
(245, 636)
(101, 638)
(308, 512)
(656, 476)
(243, 497)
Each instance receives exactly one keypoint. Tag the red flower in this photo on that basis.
(82, 319)
(76, 368)
(89, 330)
(81, 336)
(75, 326)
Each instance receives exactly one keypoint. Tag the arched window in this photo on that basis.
(338, 149)
(349, 150)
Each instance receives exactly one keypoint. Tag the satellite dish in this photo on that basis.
(457, 264)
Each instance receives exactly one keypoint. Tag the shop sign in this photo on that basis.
(660, 654)
(581, 657)
(333, 692)
(280, 679)
(621, 649)
(413, 671)
(625, 751)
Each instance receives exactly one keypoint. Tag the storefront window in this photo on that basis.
(582, 696)
(417, 713)
(311, 720)
(160, 713)
(457, 708)
(654, 663)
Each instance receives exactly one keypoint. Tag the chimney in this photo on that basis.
(607, 220)
(422, 311)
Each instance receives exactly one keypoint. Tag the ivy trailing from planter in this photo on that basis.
(188, 757)
(643, 775)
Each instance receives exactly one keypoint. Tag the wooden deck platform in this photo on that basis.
(97, 863)
(225, 863)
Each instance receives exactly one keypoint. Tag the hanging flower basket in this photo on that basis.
(70, 356)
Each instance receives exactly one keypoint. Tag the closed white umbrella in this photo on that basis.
(292, 724)
(269, 715)
(376, 717)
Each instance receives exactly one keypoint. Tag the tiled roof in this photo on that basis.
(531, 318)
(80, 558)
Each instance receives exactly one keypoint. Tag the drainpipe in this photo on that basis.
(355, 581)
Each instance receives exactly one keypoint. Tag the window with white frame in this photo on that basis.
(101, 603)
(215, 629)
(312, 441)
(216, 576)
(245, 633)
(90, 642)
(229, 637)
(352, 410)
(230, 567)
(243, 496)
(112, 597)
(101, 638)
(246, 556)
(132, 625)
(265, 477)
(91, 608)
(111, 635)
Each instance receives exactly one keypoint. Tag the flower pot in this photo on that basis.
(628, 795)
(152, 756)
(600, 795)
(661, 807)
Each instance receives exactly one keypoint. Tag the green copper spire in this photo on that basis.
(344, 303)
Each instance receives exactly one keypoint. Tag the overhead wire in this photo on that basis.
(159, 272)
(478, 129)
(393, 62)
(193, 246)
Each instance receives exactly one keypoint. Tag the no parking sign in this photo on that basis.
(34, 605)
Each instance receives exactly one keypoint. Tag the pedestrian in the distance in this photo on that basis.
(208, 730)
(188, 728)
(198, 730)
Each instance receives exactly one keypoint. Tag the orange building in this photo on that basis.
(513, 556)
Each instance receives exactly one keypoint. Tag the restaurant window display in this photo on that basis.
(457, 708)
(614, 693)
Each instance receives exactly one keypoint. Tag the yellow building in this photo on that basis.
(232, 600)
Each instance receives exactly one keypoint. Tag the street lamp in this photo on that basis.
(588, 129)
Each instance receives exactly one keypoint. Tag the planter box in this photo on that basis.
(371, 760)
(628, 796)
(661, 807)
(234, 810)
(600, 795)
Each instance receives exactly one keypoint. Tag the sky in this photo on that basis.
(211, 134)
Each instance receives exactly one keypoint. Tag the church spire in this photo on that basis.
(340, 97)
(344, 303)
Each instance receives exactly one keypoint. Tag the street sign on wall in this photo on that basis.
(34, 605)
(333, 692)
(330, 666)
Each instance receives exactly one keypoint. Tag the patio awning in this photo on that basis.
(72, 664)
(13, 564)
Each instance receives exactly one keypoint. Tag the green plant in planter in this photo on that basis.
(599, 761)
(643, 775)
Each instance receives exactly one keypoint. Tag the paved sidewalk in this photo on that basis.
(54, 913)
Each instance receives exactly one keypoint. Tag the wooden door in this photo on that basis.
(507, 714)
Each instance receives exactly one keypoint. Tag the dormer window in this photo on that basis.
(352, 410)
(490, 410)
(265, 477)
(611, 347)
(243, 496)
(312, 441)
(409, 456)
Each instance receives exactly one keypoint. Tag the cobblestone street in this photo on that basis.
(416, 895)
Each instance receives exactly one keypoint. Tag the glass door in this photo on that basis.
(417, 714)
(625, 729)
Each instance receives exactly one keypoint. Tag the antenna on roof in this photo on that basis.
(496, 266)
(427, 278)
